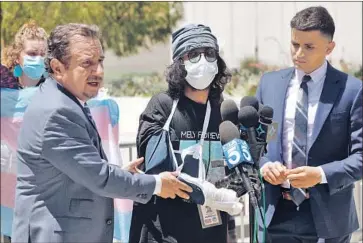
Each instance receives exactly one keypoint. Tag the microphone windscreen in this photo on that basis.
(229, 111)
(228, 131)
(267, 112)
(248, 116)
(260, 107)
(249, 101)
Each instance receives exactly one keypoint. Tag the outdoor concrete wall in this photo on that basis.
(240, 25)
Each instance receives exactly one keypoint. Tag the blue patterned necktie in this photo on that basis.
(299, 144)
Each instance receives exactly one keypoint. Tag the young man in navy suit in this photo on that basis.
(312, 165)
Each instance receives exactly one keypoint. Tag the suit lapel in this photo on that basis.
(72, 97)
(331, 90)
(281, 102)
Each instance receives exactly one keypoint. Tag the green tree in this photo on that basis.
(126, 26)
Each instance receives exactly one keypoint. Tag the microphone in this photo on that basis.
(249, 101)
(229, 111)
(237, 155)
(266, 113)
(248, 118)
(232, 181)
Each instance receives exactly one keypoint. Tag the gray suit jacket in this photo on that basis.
(65, 186)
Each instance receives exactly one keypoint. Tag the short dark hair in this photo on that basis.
(60, 40)
(176, 73)
(314, 18)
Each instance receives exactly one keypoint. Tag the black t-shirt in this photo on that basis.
(174, 220)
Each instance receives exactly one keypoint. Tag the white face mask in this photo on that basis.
(201, 74)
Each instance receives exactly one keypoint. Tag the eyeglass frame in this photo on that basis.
(202, 51)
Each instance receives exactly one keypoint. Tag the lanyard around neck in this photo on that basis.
(204, 130)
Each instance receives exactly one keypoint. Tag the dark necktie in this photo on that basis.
(87, 111)
(299, 144)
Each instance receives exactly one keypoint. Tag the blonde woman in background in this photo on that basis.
(23, 61)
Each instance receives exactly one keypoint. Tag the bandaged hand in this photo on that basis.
(205, 193)
(221, 199)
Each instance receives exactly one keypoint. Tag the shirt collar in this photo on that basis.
(316, 75)
(81, 101)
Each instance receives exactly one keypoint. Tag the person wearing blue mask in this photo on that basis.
(25, 57)
(23, 61)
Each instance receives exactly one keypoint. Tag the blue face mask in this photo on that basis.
(34, 67)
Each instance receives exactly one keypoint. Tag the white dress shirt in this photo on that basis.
(157, 189)
(81, 101)
(315, 87)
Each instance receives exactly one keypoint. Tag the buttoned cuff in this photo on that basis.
(157, 189)
(323, 176)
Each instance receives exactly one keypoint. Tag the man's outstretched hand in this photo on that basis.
(172, 187)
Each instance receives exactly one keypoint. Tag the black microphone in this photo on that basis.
(232, 181)
(266, 113)
(249, 101)
(229, 111)
(238, 157)
(248, 118)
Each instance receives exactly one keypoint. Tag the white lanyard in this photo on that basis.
(199, 154)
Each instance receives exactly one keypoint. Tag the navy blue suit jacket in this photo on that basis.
(336, 147)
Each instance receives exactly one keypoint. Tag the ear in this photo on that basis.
(58, 69)
(17, 60)
(331, 46)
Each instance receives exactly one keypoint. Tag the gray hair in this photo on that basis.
(60, 39)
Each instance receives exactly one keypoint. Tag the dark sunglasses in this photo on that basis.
(209, 54)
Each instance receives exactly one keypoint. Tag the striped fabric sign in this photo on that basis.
(105, 112)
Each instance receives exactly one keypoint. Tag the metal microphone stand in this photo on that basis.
(256, 152)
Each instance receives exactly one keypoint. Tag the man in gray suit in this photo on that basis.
(65, 185)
